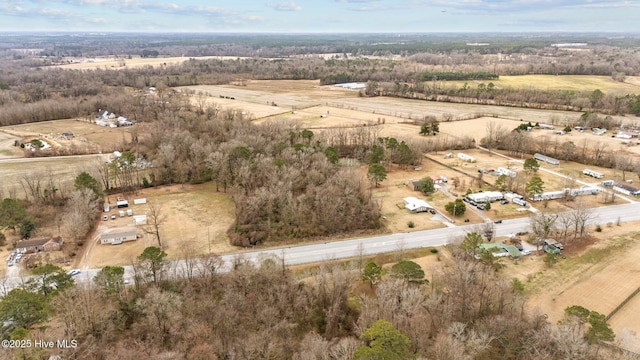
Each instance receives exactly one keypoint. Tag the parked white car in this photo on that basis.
(73, 272)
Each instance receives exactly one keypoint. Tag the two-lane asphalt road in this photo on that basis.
(332, 250)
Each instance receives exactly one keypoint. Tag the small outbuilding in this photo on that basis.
(140, 220)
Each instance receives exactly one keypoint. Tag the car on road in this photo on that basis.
(481, 206)
(9, 263)
(113, 217)
(105, 218)
(465, 199)
(73, 272)
(432, 211)
(504, 202)
(473, 203)
(498, 221)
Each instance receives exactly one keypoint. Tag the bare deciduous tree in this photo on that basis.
(156, 220)
(581, 216)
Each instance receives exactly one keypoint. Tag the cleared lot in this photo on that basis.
(196, 221)
(599, 279)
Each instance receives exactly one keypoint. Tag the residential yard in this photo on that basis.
(598, 277)
(89, 137)
(196, 221)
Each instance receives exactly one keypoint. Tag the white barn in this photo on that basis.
(416, 205)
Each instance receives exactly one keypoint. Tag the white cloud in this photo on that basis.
(285, 6)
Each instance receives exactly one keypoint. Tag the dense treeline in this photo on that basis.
(275, 45)
(446, 76)
(285, 183)
(28, 96)
(464, 311)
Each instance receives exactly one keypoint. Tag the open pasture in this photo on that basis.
(598, 279)
(561, 82)
(120, 63)
(196, 219)
(63, 170)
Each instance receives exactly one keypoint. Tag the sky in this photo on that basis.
(321, 16)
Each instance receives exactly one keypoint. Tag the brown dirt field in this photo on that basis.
(599, 278)
(194, 214)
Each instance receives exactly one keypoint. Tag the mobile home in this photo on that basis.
(592, 173)
(549, 195)
(547, 159)
(507, 172)
(486, 196)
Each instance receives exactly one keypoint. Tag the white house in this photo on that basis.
(117, 236)
(416, 205)
(465, 157)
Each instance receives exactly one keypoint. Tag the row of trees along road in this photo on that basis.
(260, 310)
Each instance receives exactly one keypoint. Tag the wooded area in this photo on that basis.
(263, 311)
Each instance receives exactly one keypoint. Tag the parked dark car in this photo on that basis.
(504, 202)
(432, 211)
(473, 203)
(498, 221)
